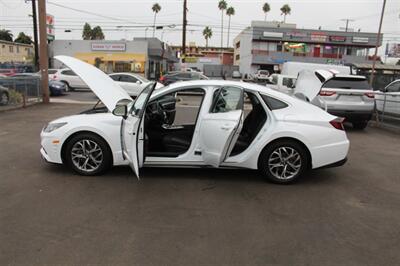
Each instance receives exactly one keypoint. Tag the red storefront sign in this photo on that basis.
(337, 38)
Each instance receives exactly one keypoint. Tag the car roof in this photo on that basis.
(215, 82)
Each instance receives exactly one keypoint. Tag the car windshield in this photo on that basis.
(347, 83)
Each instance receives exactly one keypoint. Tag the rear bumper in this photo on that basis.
(352, 115)
(335, 164)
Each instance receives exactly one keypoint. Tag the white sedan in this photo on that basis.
(132, 83)
(225, 124)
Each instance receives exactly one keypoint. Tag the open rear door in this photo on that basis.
(133, 130)
(221, 127)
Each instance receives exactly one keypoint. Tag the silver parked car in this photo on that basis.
(345, 96)
(388, 100)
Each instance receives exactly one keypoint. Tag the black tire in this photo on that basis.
(89, 139)
(69, 88)
(269, 157)
(4, 98)
(360, 125)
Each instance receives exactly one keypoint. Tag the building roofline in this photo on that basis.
(16, 43)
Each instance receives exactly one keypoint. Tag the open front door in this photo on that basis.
(133, 130)
(221, 127)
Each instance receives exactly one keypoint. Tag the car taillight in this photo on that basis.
(162, 79)
(326, 93)
(370, 94)
(337, 123)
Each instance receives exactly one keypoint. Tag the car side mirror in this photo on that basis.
(138, 82)
(121, 110)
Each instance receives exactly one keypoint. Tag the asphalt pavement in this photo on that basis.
(342, 216)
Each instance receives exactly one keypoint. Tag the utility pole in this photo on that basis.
(378, 37)
(43, 58)
(35, 34)
(347, 23)
(183, 51)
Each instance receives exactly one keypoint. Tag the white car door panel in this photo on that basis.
(218, 133)
(221, 127)
(133, 130)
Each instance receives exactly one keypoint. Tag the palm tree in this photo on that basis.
(207, 33)
(156, 8)
(229, 12)
(266, 8)
(285, 9)
(222, 5)
(6, 35)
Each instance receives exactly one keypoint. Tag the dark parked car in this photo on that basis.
(181, 76)
(30, 81)
(57, 87)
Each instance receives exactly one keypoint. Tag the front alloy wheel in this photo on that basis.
(283, 161)
(88, 154)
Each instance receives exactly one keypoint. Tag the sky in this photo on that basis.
(126, 19)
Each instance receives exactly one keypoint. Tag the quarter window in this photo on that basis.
(227, 99)
(273, 103)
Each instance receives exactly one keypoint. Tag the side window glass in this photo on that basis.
(395, 87)
(130, 79)
(227, 99)
(115, 77)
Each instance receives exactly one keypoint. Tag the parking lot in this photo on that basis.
(340, 216)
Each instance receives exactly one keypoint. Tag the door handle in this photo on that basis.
(226, 127)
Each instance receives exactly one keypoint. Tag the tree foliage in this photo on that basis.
(6, 35)
(87, 32)
(266, 8)
(285, 9)
(23, 38)
(156, 8)
(207, 33)
(92, 34)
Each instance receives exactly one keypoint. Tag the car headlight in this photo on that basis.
(57, 86)
(53, 126)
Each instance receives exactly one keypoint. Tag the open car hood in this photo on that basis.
(108, 91)
(309, 83)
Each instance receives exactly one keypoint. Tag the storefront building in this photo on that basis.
(12, 52)
(266, 45)
(149, 57)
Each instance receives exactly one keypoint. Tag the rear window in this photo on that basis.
(347, 83)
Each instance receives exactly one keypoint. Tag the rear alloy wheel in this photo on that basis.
(4, 98)
(88, 154)
(360, 125)
(283, 161)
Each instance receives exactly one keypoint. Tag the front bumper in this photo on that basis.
(50, 148)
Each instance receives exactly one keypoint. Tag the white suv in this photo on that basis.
(345, 96)
(69, 77)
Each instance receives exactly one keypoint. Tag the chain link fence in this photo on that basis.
(387, 109)
(19, 91)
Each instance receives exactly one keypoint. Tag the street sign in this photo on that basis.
(50, 27)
